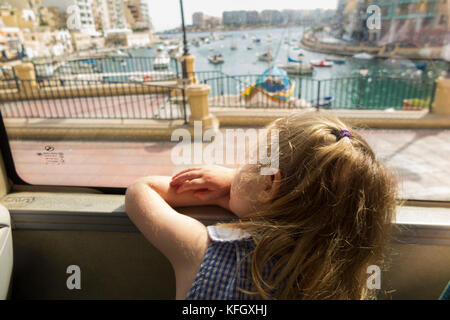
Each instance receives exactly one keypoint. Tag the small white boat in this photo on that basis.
(216, 59)
(363, 56)
(297, 68)
(233, 47)
(321, 63)
(250, 48)
(161, 61)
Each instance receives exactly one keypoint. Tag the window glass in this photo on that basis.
(95, 101)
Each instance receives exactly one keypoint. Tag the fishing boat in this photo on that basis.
(363, 56)
(250, 47)
(256, 40)
(410, 64)
(335, 60)
(323, 102)
(321, 63)
(273, 84)
(233, 47)
(294, 60)
(297, 68)
(216, 59)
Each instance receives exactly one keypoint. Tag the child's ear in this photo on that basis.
(272, 186)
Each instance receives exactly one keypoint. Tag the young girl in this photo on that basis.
(309, 231)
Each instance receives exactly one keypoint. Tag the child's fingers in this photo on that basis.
(184, 177)
(191, 185)
(184, 171)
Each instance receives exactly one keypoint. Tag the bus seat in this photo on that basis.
(6, 252)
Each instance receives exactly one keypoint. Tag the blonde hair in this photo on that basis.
(330, 219)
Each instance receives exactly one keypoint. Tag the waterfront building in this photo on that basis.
(11, 39)
(80, 14)
(52, 17)
(234, 18)
(198, 19)
(271, 17)
(18, 18)
(201, 20)
(291, 16)
(116, 15)
(101, 14)
(212, 21)
(252, 18)
(137, 15)
(413, 23)
(82, 41)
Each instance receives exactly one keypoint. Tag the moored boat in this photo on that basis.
(363, 56)
(216, 59)
(335, 60)
(265, 56)
(161, 61)
(297, 68)
(321, 63)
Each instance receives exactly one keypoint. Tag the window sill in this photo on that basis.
(102, 212)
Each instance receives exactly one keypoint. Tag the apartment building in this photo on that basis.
(80, 16)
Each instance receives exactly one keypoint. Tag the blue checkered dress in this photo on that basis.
(218, 277)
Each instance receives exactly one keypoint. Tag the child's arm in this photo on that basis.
(172, 194)
(182, 239)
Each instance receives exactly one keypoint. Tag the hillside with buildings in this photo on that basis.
(39, 28)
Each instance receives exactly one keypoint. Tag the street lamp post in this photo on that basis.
(185, 45)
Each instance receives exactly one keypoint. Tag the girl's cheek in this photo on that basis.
(239, 207)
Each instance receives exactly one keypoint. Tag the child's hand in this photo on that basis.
(207, 183)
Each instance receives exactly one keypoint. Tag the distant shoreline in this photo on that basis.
(224, 29)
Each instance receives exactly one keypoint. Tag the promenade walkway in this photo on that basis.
(420, 158)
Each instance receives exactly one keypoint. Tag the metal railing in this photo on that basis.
(360, 92)
(93, 100)
(120, 69)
